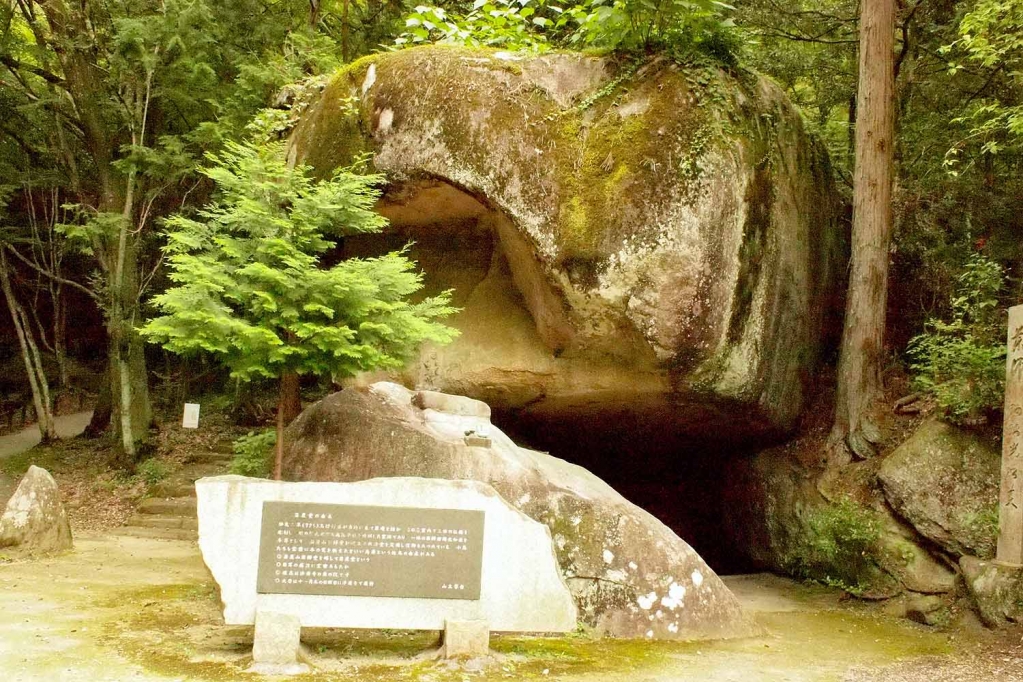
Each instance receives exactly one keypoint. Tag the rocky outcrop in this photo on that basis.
(944, 481)
(34, 522)
(646, 240)
(629, 574)
(836, 527)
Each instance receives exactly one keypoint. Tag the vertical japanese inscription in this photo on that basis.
(1010, 521)
(335, 549)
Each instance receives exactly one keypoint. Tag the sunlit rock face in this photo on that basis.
(659, 246)
(629, 574)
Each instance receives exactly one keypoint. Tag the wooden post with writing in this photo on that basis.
(1010, 502)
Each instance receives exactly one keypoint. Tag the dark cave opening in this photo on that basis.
(683, 482)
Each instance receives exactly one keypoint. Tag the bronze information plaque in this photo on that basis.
(341, 549)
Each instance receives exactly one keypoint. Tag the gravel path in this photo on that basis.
(1001, 661)
(120, 609)
(67, 426)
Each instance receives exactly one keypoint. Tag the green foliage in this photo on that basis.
(249, 286)
(153, 470)
(509, 24)
(686, 29)
(686, 26)
(253, 454)
(961, 362)
(839, 546)
(990, 37)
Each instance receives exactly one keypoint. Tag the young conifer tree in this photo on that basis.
(249, 286)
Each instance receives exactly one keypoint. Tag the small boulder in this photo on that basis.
(35, 522)
(928, 609)
(944, 481)
(997, 590)
(629, 574)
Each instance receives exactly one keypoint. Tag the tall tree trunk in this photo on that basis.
(41, 399)
(859, 367)
(289, 406)
(84, 80)
(851, 133)
(129, 386)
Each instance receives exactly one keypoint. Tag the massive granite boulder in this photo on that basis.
(34, 523)
(652, 240)
(629, 574)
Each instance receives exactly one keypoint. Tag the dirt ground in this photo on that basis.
(120, 608)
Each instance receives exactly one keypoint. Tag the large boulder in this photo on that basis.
(944, 481)
(34, 521)
(659, 241)
(629, 574)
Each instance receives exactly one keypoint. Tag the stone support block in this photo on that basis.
(276, 644)
(466, 639)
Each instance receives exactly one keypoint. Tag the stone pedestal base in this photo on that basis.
(275, 646)
(466, 639)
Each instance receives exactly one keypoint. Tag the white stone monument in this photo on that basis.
(330, 567)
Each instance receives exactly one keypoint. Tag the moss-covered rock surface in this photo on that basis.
(672, 232)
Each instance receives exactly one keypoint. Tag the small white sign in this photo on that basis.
(190, 420)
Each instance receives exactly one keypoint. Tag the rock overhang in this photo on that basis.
(671, 243)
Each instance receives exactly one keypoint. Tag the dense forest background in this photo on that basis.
(108, 110)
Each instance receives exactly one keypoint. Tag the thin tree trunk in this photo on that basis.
(30, 355)
(47, 426)
(84, 81)
(279, 449)
(59, 341)
(103, 410)
(851, 132)
(859, 369)
(344, 31)
(291, 397)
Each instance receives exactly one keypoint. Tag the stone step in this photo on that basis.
(176, 488)
(210, 457)
(224, 446)
(158, 533)
(164, 521)
(193, 472)
(173, 506)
